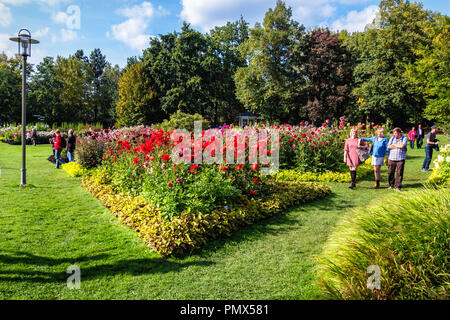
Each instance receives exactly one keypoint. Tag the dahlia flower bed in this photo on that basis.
(180, 189)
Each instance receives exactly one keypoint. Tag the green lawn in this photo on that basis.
(53, 223)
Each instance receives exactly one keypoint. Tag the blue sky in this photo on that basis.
(121, 28)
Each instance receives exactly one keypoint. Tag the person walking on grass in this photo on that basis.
(431, 143)
(71, 145)
(420, 135)
(58, 147)
(397, 156)
(380, 150)
(351, 156)
(412, 137)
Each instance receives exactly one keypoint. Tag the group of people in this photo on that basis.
(59, 143)
(31, 137)
(414, 136)
(391, 151)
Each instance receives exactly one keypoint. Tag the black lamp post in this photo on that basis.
(24, 44)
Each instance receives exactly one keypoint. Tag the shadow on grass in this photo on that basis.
(95, 271)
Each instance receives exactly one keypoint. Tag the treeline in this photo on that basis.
(397, 70)
(74, 89)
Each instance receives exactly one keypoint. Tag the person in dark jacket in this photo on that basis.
(71, 145)
(58, 149)
(420, 136)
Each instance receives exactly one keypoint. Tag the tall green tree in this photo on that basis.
(431, 71)
(224, 47)
(45, 91)
(97, 64)
(272, 83)
(76, 88)
(109, 91)
(382, 54)
(138, 103)
(10, 89)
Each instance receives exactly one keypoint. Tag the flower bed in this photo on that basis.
(74, 169)
(192, 230)
(441, 171)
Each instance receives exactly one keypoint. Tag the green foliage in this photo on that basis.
(431, 72)
(191, 231)
(181, 120)
(406, 236)
(203, 193)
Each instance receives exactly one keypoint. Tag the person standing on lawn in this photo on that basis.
(351, 157)
(34, 137)
(71, 145)
(431, 143)
(380, 150)
(420, 135)
(58, 148)
(397, 156)
(412, 137)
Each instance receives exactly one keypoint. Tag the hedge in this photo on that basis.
(292, 175)
(190, 230)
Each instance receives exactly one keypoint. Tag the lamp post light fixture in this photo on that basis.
(24, 46)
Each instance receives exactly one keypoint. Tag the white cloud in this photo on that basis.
(208, 14)
(59, 17)
(132, 31)
(41, 32)
(51, 3)
(145, 10)
(356, 20)
(5, 16)
(65, 35)
(6, 45)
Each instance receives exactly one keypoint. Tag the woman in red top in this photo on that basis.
(412, 137)
(351, 157)
(58, 149)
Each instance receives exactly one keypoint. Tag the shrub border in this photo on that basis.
(190, 231)
(292, 175)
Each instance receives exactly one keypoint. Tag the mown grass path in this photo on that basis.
(53, 223)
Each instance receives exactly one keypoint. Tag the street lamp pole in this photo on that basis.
(23, 171)
(24, 42)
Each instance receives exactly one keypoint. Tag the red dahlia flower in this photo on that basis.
(194, 169)
(165, 157)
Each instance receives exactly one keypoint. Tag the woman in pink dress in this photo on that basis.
(351, 157)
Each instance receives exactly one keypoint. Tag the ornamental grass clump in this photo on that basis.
(407, 238)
